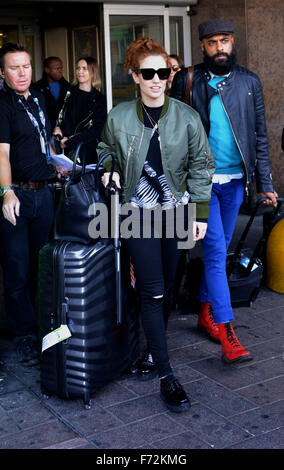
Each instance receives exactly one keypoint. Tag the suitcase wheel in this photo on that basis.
(87, 401)
(87, 404)
(45, 395)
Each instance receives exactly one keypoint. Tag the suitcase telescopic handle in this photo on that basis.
(115, 208)
(114, 192)
(243, 237)
(258, 204)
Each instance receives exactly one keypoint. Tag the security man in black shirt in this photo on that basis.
(27, 210)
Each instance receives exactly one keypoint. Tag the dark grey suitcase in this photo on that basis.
(77, 287)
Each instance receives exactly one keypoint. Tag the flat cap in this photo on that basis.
(216, 26)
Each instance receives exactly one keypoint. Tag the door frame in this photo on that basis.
(149, 10)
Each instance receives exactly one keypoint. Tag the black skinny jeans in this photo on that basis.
(155, 263)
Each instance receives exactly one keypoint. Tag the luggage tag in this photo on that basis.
(55, 337)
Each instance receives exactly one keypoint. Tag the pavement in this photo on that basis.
(233, 406)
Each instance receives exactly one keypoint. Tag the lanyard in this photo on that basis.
(42, 132)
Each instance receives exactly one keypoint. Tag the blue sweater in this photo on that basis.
(227, 156)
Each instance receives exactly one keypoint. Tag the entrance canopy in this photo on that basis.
(132, 2)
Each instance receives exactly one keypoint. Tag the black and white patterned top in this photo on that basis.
(152, 188)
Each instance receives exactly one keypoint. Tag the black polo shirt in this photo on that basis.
(27, 161)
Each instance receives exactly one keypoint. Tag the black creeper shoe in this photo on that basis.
(173, 395)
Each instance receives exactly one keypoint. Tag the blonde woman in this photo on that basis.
(85, 112)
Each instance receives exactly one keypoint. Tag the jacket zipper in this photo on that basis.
(207, 164)
(79, 124)
(83, 120)
(130, 150)
(141, 138)
(246, 171)
(128, 155)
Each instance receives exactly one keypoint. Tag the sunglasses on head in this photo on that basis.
(148, 74)
(175, 68)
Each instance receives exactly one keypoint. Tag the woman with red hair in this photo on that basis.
(163, 161)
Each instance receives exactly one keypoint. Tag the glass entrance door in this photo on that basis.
(168, 26)
(123, 30)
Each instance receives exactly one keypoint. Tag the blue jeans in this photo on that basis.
(224, 206)
(20, 245)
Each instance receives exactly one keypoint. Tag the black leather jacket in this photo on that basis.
(242, 98)
(89, 126)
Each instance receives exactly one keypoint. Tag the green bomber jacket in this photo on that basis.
(187, 159)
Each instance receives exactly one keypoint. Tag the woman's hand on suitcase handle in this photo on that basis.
(199, 230)
(115, 178)
(271, 198)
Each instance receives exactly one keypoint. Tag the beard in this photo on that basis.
(222, 66)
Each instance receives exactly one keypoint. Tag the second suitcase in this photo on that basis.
(244, 265)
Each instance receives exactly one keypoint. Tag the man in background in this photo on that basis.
(53, 86)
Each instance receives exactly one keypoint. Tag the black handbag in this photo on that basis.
(82, 189)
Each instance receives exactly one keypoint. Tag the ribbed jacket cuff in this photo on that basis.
(108, 164)
(202, 210)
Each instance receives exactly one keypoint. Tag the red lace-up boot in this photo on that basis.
(206, 322)
(232, 350)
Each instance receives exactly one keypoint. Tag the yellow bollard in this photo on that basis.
(275, 258)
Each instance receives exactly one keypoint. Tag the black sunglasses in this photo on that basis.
(148, 74)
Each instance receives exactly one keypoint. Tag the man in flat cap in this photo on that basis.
(230, 102)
